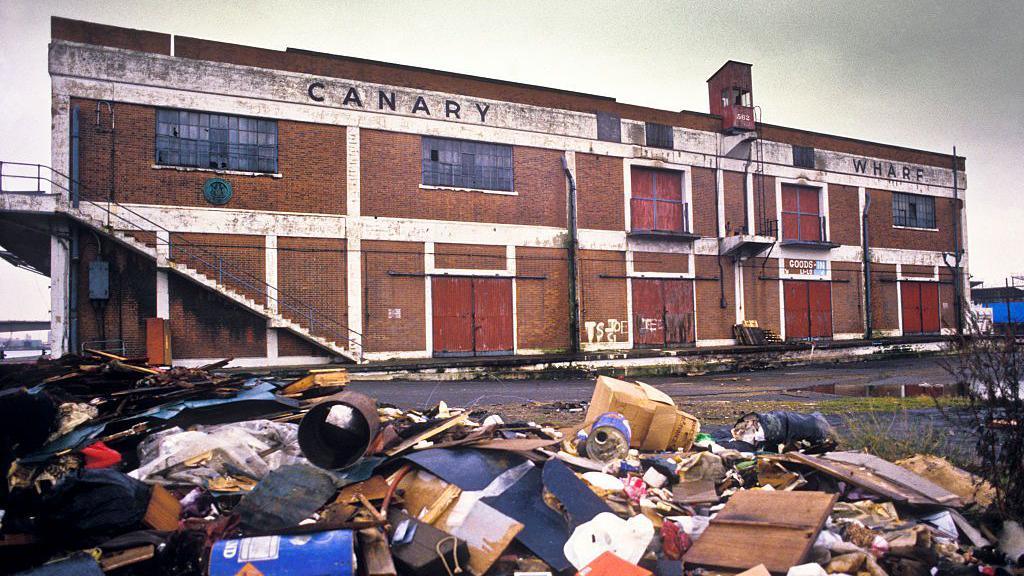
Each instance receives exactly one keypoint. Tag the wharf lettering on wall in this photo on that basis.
(887, 170)
(383, 100)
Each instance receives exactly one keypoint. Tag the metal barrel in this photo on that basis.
(339, 430)
(609, 437)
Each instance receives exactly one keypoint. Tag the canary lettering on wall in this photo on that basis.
(384, 100)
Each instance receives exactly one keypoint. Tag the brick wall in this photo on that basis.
(764, 203)
(311, 159)
(660, 262)
(705, 211)
(844, 214)
(289, 344)
(312, 272)
(947, 300)
(383, 292)
(132, 297)
(761, 297)
(470, 256)
(713, 321)
(599, 194)
(884, 235)
(884, 300)
(205, 324)
(542, 306)
(915, 271)
(603, 300)
(234, 260)
(734, 186)
(847, 297)
(113, 36)
(391, 167)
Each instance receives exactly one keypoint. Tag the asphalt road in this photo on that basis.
(775, 384)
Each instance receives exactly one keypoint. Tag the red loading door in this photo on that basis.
(790, 220)
(492, 308)
(910, 300)
(668, 186)
(678, 311)
(648, 313)
(929, 307)
(452, 305)
(820, 302)
(796, 301)
(810, 224)
(641, 206)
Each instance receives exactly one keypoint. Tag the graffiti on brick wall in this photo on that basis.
(610, 330)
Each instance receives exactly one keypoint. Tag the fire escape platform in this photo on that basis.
(745, 245)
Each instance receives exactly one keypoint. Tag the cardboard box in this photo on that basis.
(655, 422)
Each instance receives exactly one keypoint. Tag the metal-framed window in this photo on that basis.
(217, 141)
(803, 156)
(658, 135)
(913, 210)
(467, 164)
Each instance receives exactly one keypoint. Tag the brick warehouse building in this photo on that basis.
(287, 207)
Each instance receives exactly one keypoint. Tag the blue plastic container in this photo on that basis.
(329, 553)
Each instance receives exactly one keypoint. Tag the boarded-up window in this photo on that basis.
(609, 127)
(803, 156)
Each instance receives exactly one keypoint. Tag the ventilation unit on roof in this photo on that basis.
(731, 97)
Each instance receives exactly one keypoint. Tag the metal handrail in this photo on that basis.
(297, 307)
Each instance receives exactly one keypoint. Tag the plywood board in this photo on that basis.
(772, 528)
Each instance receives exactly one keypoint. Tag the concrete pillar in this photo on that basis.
(270, 268)
(353, 235)
(60, 270)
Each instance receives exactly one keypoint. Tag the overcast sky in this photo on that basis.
(926, 75)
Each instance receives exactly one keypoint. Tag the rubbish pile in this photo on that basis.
(117, 467)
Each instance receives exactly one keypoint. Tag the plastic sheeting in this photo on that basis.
(251, 449)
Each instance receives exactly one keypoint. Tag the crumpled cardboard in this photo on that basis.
(655, 422)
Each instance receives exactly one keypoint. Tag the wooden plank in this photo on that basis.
(127, 557)
(163, 510)
(376, 554)
(426, 435)
(755, 527)
(855, 475)
(897, 475)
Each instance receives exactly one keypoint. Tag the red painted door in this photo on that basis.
(641, 205)
(648, 313)
(492, 310)
(678, 311)
(796, 301)
(820, 309)
(910, 300)
(452, 306)
(668, 189)
(929, 307)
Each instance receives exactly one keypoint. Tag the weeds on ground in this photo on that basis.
(897, 435)
(989, 370)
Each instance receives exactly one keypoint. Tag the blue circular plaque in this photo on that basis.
(217, 191)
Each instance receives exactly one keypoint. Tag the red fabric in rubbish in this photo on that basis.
(99, 455)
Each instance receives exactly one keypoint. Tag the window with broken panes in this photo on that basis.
(467, 164)
(913, 210)
(803, 156)
(218, 141)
